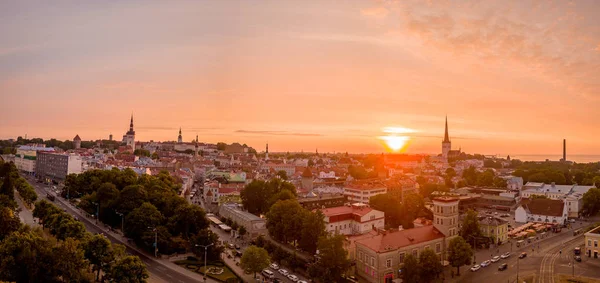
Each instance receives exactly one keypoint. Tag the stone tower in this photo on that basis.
(445, 215)
(446, 144)
(77, 142)
(307, 179)
(179, 138)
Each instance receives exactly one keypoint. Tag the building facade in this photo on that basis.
(352, 219)
(592, 238)
(25, 158)
(129, 137)
(571, 194)
(380, 258)
(254, 225)
(362, 193)
(56, 166)
(495, 228)
(542, 210)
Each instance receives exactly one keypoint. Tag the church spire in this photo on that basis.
(446, 138)
(131, 123)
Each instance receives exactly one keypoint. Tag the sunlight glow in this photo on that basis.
(395, 143)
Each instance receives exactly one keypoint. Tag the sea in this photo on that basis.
(579, 158)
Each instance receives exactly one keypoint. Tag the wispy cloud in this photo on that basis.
(278, 133)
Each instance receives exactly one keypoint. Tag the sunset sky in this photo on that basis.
(513, 77)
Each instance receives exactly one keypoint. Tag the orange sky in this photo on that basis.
(513, 77)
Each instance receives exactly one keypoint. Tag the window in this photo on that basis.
(438, 247)
(426, 247)
(361, 256)
(388, 263)
(589, 243)
(373, 261)
(372, 217)
(595, 243)
(415, 253)
(401, 258)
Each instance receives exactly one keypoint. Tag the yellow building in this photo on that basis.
(592, 238)
(495, 228)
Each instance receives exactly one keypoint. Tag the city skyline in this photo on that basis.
(319, 75)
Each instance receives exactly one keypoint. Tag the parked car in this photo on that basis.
(578, 258)
(274, 266)
(505, 255)
(572, 220)
(237, 247)
(293, 277)
(577, 250)
(302, 281)
(502, 266)
(283, 271)
(475, 267)
(485, 263)
(268, 273)
(523, 255)
(495, 259)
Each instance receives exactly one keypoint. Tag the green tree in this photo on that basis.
(140, 219)
(26, 256)
(459, 253)
(255, 259)
(242, 231)
(97, 249)
(313, 228)
(282, 174)
(69, 261)
(390, 205)
(486, 178)
(129, 269)
(430, 265)
(188, 220)
(204, 238)
(9, 222)
(332, 260)
(591, 201)
(470, 227)
(411, 269)
(131, 197)
(285, 220)
(141, 152)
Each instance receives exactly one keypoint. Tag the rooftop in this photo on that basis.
(355, 209)
(385, 242)
(541, 206)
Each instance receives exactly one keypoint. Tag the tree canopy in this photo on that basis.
(332, 260)
(255, 259)
(259, 196)
(459, 253)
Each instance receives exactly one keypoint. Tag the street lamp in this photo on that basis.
(205, 248)
(122, 222)
(155, 240)
(97, 211)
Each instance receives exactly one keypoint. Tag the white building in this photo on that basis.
(254, 225)
(542, 210)
(352, 219)
(571, 194)
(56, 166)
(129, 137)
(290, 169)
(363, 192)
(26, 155)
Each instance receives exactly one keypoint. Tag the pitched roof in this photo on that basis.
(540, 206)
(398, 239)
(341, 210)
(307, 173)
(77, 138)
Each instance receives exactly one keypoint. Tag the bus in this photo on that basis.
(215, 221)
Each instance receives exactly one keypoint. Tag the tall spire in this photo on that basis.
(180, 130)
(131, 123)
(446, 138)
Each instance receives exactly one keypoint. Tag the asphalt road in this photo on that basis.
(155, 269)
(541, 261)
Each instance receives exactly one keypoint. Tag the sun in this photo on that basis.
(396, 139)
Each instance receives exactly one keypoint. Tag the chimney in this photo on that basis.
(564, 150)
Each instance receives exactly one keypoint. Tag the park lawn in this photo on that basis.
(198, 267)
(564, 278)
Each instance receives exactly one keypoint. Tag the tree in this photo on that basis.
(486, 178)
(129, 269)
(141, 152)
(131, 197)
(313, 228)
(332, 260)
(412, 270)
(283, 195)
(242, 230)
(470, 227)
(26, 256)
(254, 197)
(282, 174)
(391, 207)
(188, 220)
(204, 238)
(97, 249)
(140, 219)
(459, 253)
(285, 220)
(221, 146)
(255, 259)
(591, 201)
(430, 265)
(69, 261)
(9, 222)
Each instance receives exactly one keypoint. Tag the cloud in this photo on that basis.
(379, 12)
(279, 133)
(552, 43)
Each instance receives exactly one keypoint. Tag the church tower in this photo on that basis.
(129, 137)
(196, 147)
(179, 138)
(446, 144)
(267, 153)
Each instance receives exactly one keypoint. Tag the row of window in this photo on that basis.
(363, 258)
(590, 243)
(441, 221)
(440, 209)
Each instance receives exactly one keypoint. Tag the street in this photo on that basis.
(157, 270)
(542, 256)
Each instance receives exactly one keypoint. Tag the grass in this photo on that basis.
(564, 278)
(198, 267)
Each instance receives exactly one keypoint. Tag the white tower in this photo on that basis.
(179, 138)
(445, 215)
(446, 144)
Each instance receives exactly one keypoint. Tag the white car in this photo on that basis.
(485, 263)
(274, 266)
(301, 281)
(505, 255)
(293, 277)
(475, 268)
(495, 259)
(283, 271)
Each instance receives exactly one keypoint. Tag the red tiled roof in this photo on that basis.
(307, 173)
(340, 210)
(77, 138)
(404, 238)
(549, 207)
